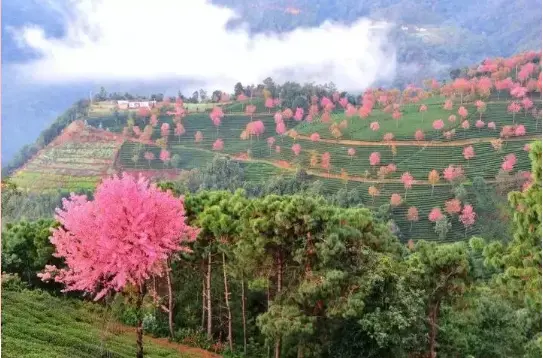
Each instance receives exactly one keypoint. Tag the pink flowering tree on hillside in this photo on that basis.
(351, 152)
(467, 217)
(165, 157)
(149, 156)
(271, 142)
(218, 145)
(423, 108)
(412, 216)
(102, 256)
(419, 135)
(513, 108)
(325, 161)
(468, 153)
(216, 116)
(407, 180)
(269, 104)
(453, 173)
(433, 178)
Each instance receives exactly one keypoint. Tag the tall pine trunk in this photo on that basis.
(139, 328)
(243, 318)
(227, 301)
(434, 310)
(208, 297)
(170, 299)
(279, 286)
(203, 302)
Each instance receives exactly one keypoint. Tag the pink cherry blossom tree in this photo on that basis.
(325, 161)
(448, 105)
(299, 115)
(278, 117)
(315, 137)
(412, 216)
(513, 108)
(407, 180)
(463, 112)
(453, 206)
(281, 129)
(165, 130)
(419, 135)
(435, 215)
(216, 116)
(423, 108)
(198, 137)
(453, 173)
(388, 137)
(467, 218)
(468, 153)
(438, 124)
(452, 118)
(154, 120)
(395, 200)
(520, 130)
(509, 162)
(375, 158)
(269, 104)
(374, 126)
(102, 256)
(296, 149)
(179, 131)
(351, 152)
(491, 125)
(165, 157)
(397, 115)
(271, 142)
(149, 156)
(218, 145)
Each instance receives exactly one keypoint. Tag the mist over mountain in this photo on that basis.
(427, 38)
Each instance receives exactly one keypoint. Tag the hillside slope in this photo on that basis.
(38, 325)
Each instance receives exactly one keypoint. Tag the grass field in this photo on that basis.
(38, 325)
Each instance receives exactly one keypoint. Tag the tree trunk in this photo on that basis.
(434, 309)
(279, 286)
(227, 301)
(170, 299)
(203, 302)
(208, 297)
(139, 328)
(244, 319)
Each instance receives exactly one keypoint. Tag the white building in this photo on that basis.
(135, 104)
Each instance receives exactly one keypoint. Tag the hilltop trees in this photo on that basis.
(120, 238)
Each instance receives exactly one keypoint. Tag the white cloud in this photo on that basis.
(118, 40)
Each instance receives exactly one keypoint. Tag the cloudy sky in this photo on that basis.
(165, 39)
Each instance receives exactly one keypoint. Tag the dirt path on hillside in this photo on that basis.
(415, 143)
(282, 164)
(163, 342)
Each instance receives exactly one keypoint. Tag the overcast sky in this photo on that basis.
(170, 39)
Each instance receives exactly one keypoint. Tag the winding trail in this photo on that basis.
(415, 143)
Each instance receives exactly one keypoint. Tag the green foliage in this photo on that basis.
(482, 324)
(26, 248)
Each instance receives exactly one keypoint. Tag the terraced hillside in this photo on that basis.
(388, 142)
